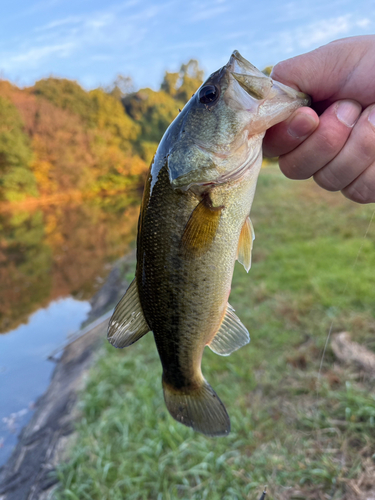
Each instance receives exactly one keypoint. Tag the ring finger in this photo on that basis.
(354, 158)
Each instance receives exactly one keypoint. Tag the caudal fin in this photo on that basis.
(199, 408)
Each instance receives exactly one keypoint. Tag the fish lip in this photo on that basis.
(243, 63)
(260, 85)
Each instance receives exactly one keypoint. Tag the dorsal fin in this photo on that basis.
(245, 244)
(201, 228)
(127, 324)
(231, 335)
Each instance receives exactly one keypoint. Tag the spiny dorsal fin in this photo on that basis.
(127, 324)
(201, 228)
(245, 244)
(231, 335)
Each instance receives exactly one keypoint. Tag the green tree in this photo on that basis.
(121, 87)
(183, 84)
(267, 70)
(191, 79)
(65, 94)
(170, 83)
(153, 110)
(107, 114)
(16, 178)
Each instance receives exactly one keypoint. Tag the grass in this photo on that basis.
(306, 433)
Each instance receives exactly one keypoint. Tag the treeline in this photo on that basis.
(57, 138)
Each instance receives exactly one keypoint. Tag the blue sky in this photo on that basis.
(91, 41)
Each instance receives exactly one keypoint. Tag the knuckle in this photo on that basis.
(292, 168)
(329, 143)
(366, 147)
(285, 167)
(328, 180)
(360, 194)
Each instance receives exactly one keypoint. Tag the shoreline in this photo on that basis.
(44, 441)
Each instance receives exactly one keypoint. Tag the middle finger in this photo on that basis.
(324, 144)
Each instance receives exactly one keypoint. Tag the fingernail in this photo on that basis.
(348, 112)
(371, 117)
(301, 125)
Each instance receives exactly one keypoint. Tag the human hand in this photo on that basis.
(335, 140)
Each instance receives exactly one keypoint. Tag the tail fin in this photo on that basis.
(198, 408)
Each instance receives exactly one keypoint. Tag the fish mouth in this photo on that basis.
(250, 103)
(260, 86)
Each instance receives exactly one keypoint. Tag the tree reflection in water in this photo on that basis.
(58, 251)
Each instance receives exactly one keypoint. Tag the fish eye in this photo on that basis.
(208, 94)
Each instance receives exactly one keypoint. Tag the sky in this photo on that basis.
(92, 41)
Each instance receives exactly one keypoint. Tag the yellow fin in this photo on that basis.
(245, 244)
(201, 228)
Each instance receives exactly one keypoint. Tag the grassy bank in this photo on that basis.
(304, 434)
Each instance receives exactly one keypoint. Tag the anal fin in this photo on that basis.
(201, 228)
(127, 324)
(231, 335)
(245, 244)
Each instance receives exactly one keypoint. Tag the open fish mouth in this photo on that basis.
(230, 114)
(257, 84)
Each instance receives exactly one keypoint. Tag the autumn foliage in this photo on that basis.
(72, 165)
(56, 137)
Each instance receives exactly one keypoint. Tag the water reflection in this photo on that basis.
(24, 371)
(52, 260)
(60, 251)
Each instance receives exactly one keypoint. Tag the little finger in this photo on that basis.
(362, 190)
(354, 158)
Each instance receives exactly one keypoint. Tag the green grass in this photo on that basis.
(303, 433)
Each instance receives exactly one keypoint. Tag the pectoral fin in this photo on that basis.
(127, 324)
(231, 335)
(201, 228)
(245, 244)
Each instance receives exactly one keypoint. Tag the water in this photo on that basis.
(24, 369)
(52, 261)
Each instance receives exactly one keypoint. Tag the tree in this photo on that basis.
(170, 83)
(16, 178)
(153, 110)
(65, 94)
(183, 84)
(121, 87)
(107, 114)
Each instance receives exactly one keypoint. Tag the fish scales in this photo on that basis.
(178, 284)
(194, 224)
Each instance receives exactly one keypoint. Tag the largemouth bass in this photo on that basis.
(193, 225)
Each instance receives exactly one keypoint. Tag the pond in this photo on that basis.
(52, 261)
